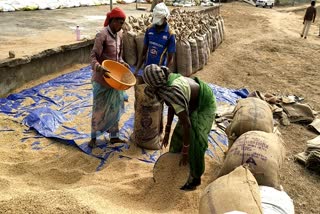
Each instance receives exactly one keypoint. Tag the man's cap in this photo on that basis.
(160, 11)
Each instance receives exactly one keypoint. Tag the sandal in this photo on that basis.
(116, 140)
(189, 186)
(92, 143)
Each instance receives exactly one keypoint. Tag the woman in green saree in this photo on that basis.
(194, 103)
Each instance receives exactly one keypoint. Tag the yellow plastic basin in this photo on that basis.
(121, 77)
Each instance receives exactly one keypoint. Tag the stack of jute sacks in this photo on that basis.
(253, 161)
(197, 36)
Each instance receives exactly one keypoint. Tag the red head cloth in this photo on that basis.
(114, 13)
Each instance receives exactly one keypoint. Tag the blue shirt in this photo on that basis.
(159, 45)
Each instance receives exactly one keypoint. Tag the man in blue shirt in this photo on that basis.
(159, 45)
(159, 41)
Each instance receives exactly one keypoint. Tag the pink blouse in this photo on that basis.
(106, 46)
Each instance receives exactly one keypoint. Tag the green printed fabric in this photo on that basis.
(201, 123)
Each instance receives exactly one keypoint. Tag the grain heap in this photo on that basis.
(197, 35)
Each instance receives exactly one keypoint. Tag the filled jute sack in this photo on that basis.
(194, 55)
(250, 114)
(148, 113)
(264, 154)
(201, 51)
(183, 57)
(173, 66)
(218, 33)
(209, 40)
(130, 48)
(222, 26)
(212, 45)
(275, 202)
(140, 43)
(205, 36)
(214, 37)
(237, 191)
(206, 50)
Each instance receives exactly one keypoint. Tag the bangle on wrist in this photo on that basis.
(185, 149)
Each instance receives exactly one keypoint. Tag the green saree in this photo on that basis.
(201, 123)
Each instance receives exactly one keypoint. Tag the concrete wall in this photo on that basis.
(16, 72)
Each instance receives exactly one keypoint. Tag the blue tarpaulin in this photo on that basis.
(61, 109)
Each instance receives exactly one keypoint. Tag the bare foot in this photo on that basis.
(92, 143)
(116, 140)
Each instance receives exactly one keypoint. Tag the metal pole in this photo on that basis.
(110, 5)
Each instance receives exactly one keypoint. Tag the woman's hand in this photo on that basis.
(185, 154)
(165, 141)
(102, 70)
(126, 64)
(184, 159)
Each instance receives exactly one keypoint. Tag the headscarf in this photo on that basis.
(114, 13)
(160, 11)
(156, 78)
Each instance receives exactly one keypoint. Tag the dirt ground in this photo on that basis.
(263, 51)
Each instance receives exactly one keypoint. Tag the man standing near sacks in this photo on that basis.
(309, 17)
(159, 45)
(159, 41)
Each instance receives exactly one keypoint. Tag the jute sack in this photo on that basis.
(147, 118)
(194, 55)
(222, 27)
(219, 35)
(205, 47)
(250, 114)
(237, 191)
(211, 40)
(173, 65)
(214, 37)
(263, 152)
(140, 43)
(184, 58)
(129, 48)
(201, 51)
(208, 43)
